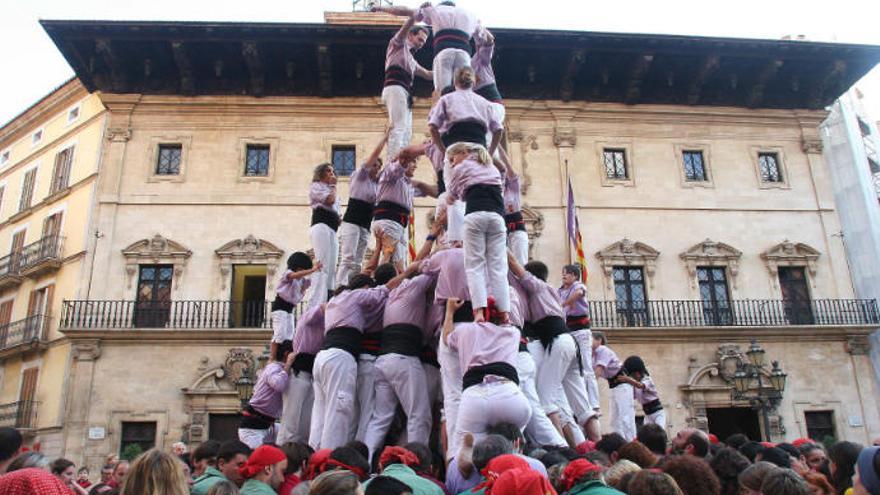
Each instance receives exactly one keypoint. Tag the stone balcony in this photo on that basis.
(24, 335)
(34, 260)
(21, 415)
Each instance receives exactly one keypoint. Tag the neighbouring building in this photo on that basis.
(697, 165)
(49, 161)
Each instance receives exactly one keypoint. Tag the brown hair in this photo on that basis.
(614, 475)
(818, 480)
(479, 152)
(155, 473)
(754, 475)
(785, 482)
(637, 452)
(223, 487)
(692, 474)
(336, 482)
(600, 336)
(320, 170)
(652, 483)
(465, 77)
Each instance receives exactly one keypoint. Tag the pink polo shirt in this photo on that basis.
(484, 343)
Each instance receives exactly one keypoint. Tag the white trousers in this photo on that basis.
(398, 234)
(282, 326)
(584, 339)
(334, 414)
(399, 379)
(296, 415)
(623, 415)
(539, 428)
(326, 249)
(454, 212)
(450, 381)
(518, 243)
(490, 403)
(352, 245)
(253, 438)
(396, 101)
(552, 367)
(366, 393)
(658, 418)
(485, 259)
(446, 63)
(500, 113)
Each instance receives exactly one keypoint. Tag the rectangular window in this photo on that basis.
(37, 137)
(632, 300)
(72, 114)
(153, 306)
(796, 301)
(168, 162)
(770, 169)
(694, 167)
(615, 163)
(820, 426)
(257, 160)
(344, 160)
(61, 172)
(27, 189)
(715, 295)
(137, 437)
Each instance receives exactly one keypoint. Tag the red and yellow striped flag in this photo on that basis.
(412, 236)
(574, 233)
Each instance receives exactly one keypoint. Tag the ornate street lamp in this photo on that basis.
(741, 381)
(756, 354)
(777, 378)
(245, 386)
(751, 370)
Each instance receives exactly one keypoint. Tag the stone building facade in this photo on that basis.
(710, 221)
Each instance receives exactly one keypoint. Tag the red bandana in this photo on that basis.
(264, 455)
(497, 467)
(399, 455)
(576, 470)
(31, 481)
(521, 482)
(585, 446)
(317, 463)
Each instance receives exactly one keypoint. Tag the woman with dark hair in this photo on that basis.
(728, 464)
(65, 470)
(650, 482)
(843, 457)
(325, 222)
(289, 292)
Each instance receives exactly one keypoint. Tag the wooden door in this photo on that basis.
(153, 306)
(795, 295)
(26, 397)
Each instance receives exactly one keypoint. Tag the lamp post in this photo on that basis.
(245, 386)
(753, 370)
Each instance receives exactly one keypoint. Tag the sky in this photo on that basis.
(32, 66)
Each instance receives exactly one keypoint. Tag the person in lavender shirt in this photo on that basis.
(574, 300)
(395, 202)
(325, 222)
(298, 397)
(476, 180)
(482, 65)
(288, 294)
(346, 317)
(645, 391)
(400, 69)
(517, 237)
(608, 366)
(259, 415)
(354, 231)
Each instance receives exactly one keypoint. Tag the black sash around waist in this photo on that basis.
(652, 407)
(483, 197)
(429, 356)
(547, 329)
(396, 75)
(577, 322)
(401, 338)
(303, 362)
(358, 212)
(489, 92)
(255, 420)
(612, 382)
(280, 304)
(466, 132)
(475, 375)
(346, 338)
(325, 216)
(515, 222)
(451, 38)
(371, 343)
(386, 210)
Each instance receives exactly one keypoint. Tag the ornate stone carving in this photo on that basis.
(118, 134)
(88, 350)
(526, 143)
(711, 253)
(564, 137)
(237, 360)
(628, 253)
(534, 221)
(155, 251)
(858, 345)
(248, 251)
(812, 146)
(729, 356)
(788, 253)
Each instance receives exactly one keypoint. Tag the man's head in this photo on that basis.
(736, 440)
(205, 455)
(297, 457)
(599, 338)
(691, 441)
(511, 433)
(776, 456)
(10, 443)
(610, 443)
(267, 464)
(349, 458)
(179, 448)
(299, 261)
(106, 473)
(232, 455)
(120, 471)
(281, 352)
(654, 437)
(417, 37)
(324, 173)
(386, 485)
(570, 274)
(538, 269)
(384, 273)
(489, 448)
(785, 482)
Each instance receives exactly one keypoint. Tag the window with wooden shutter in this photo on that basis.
(26, 407)
(15, 251)
(61, 172)
(27, 189)
(50, 241)
(5, 318)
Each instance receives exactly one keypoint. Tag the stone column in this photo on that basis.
(84, 353)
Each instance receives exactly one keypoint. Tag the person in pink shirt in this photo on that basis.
(400, 69)
(264, 408)
(288, 294)
(354, 231)
(490, 385)
(517, 237)
(325, 222)
(476, 180)
(395, 201)
(296, 414)
(608, 366)
(482, 65)
(645, 391)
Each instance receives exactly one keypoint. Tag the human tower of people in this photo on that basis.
(469, 319)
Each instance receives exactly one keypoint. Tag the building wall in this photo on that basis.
(60, 130)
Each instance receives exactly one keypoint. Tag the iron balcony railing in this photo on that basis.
(604, 314)
(21, 414)
(26, 331)
(47, 248)
(167, 314)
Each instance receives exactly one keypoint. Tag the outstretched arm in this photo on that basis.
(436, 228)
(514, 265)
(374, 156)
(394, 282)
(496, 139)
(448, 325)
(505, 160)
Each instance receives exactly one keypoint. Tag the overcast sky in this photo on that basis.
(32, 66)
